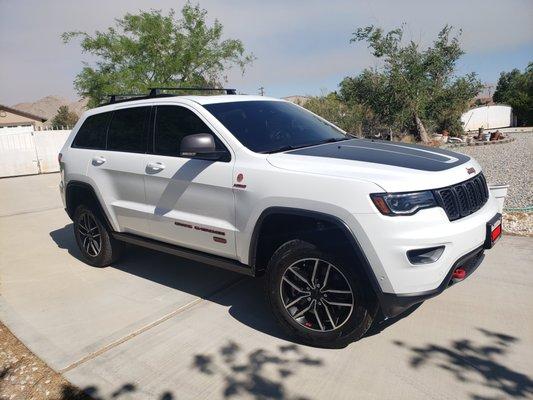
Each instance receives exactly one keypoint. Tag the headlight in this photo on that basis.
(403, 203)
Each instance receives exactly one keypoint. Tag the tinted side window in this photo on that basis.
(172, 123)
(127, 130)
(92, 133)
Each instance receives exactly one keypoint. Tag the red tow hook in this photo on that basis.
(459, 273)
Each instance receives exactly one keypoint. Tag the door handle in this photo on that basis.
(98, 160)
(155, 166)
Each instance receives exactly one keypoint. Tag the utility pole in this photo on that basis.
(261, 91)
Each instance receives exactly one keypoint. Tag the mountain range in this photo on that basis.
(47, 106)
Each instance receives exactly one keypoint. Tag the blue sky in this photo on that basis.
(302, 47)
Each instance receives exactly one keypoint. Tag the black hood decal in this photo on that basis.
(388, 153)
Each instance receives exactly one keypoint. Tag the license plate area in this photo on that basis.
(494, 231)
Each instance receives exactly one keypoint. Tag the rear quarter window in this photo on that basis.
(92, 133)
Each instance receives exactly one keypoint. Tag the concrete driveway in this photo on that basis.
(155, 326)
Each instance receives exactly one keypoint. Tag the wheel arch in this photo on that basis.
(273, 214)
(78, 192)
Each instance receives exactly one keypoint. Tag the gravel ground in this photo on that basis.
(24, 376)
(509, 163)
(518, 223)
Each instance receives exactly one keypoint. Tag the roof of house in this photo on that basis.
(22, 113)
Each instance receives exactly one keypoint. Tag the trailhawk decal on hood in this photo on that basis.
(381, 152)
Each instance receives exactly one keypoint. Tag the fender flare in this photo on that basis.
(87, 186)
(336, 221)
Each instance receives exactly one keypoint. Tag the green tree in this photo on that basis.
(450, 102)
(371, 90)
(151, 49)
(413, 85)
(516, 89)
(64, 118)
(348, 117)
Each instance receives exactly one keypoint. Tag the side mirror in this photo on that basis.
(200, 145)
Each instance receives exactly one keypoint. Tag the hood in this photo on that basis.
(391, 165)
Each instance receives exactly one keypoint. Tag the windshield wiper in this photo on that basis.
(280, 149)
(332, 140)
(288, 147)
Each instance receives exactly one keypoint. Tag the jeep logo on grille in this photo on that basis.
(471, 170)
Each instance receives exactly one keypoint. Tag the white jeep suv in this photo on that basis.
(342, 227)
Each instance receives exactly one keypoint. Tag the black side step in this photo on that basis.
(189, 254)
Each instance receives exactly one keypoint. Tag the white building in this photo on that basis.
(488, 117)
(13, 120)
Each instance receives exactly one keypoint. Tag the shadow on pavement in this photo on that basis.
(69, 392)
(245, 373)
(257, 374)
(380, 323)
(246, 300)
(474, 363)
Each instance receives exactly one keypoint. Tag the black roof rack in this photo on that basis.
(157, 92)
(117, 98)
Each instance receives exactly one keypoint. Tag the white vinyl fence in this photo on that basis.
(28, 153)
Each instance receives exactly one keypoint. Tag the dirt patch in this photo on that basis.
(24, 376)
(518, 223)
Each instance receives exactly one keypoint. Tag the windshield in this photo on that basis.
(271, 126)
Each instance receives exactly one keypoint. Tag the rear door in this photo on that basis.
(191, 200)
(118, 171)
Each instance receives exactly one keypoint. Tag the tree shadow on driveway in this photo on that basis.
(245, 373)
(69, 392)
(258, 374)
(470, 362)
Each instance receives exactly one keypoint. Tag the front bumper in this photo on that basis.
(386, 242)
(394, 304)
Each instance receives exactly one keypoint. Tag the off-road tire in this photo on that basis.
(365, 305)
(109, 250)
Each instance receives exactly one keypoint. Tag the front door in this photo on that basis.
(191, 200)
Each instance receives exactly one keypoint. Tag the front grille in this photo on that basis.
(464, 198)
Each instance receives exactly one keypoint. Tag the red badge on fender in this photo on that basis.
(240, 178)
